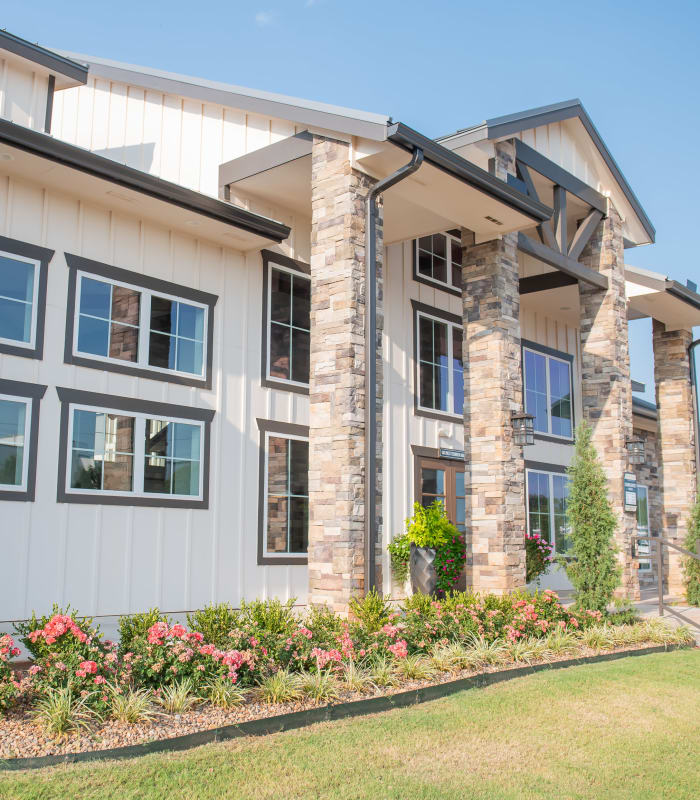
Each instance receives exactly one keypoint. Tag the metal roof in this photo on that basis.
(49, 59)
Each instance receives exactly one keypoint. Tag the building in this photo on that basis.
(183, 342)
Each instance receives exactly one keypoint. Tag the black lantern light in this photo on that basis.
(523, 429)
(635, 451)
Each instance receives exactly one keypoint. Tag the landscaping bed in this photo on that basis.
(173, 680)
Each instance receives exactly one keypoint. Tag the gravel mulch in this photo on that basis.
(21, 737)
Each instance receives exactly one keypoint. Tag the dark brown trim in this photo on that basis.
(283, 428)
(43, 146)
(543, 466)
(546, 281)
(78, 263)
(270, 257)
(425, 452)
(418, 278)
(69, 396)
(448, 316)
(43, 256)
(550, 351)
(449, 466)
(35, 392)
(561, 262)
(49, 104)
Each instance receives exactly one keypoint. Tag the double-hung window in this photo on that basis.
(440, 370)
(287, 322)
(547, 498)
(19, 424)
(284, 480)
(548, 391)
(114, 452)
(132, 323)
(438, 260)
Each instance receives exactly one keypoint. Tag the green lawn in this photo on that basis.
(621, 729)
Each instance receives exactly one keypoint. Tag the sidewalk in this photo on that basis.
(648, 608)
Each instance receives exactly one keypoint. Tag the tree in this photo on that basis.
(594, 570)
(690, 565)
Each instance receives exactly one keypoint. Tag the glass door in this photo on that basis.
(440, 479)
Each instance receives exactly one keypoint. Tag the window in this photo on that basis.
(284, 493)
(19, 431)
(643, 545)
(548, 391)
(438, 259)
(131, 323)
(287, 322)
(23, 274)
(442, 479)
(440, 376)
(153, 455)
(547, 496)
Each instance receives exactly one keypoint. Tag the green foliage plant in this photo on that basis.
(134, 626)
(691, 566)
(60, 713)
(215, 622)
(593, 569)
(371, 611)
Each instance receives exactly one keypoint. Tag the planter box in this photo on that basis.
(422, 570)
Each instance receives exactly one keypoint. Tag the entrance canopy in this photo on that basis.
(654, 295)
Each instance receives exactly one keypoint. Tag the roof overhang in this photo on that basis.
(507, 126)
(73, 170)
(446, 192)
(67, 73)
(651, 294)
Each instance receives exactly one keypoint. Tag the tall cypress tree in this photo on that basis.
(691, 566)
(594, 570)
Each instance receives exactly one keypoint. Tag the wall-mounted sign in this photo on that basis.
(454, 455)
(630, 491)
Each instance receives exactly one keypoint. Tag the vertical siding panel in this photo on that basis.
(84, 115)
(100, 114)
(133, 129)
(257, 132)
(172, 121)
(234, 134)
(212, 148)
(117, 122)
(152, 132)
(190, 149)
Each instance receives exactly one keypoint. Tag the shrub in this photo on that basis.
(58, 632)
(178, 697)
(273, 616)
(357, 678)
(415, 668)
(594, 570)
(538, 556)
(370, 611)
(224, 694)
(9, 685)
(215, 623)
(320, 686)
(400, 553)
(280, 687)
(134, 626)
(381, 672)
(131, 705)
(691, 566)
(59, 712)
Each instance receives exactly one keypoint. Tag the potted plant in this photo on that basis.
(430, 539)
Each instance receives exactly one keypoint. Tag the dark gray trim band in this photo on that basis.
(283, 428)
(43, 255)
(683, 293)
(34, 391)
(271, 257)
(550, 351)
(448, 316)
(78, 158)
(546, 281)
(76, 263)
(42, 56)
(467, 172)
(544, 466)
(418, 278)
(49, 104)
(561, 262)
(302, 719)
(545, 437)
(68, 396)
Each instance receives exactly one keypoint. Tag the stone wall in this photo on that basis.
(648, 475)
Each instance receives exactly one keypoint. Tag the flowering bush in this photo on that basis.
(9, 685)
(45, 635)
(538, 556)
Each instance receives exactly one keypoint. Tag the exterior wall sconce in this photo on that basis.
(523, 429)
(635, 451)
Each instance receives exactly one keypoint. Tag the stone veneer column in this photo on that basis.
(494, 468)
(676, 442)
(605, 377)
(337, 373)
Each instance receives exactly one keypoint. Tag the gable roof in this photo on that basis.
(306, 112)
(498, 127)
(67, 71)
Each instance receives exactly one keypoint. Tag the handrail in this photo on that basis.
(662, 542)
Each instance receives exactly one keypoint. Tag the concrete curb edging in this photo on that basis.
(301, 719)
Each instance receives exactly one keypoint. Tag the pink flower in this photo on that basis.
(100, 679)
(89, 666)
(399, 649)
(34, 669)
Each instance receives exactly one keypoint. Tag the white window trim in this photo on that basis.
(644, 565)
(139, 455)
(144, 327)
(31, 344)
(450, 239)
(547, 357)
(277, 554)
(11, 487)
(296, 275)
(550, 477)
(450, 371)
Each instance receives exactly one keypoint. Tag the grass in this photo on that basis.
(618, 729)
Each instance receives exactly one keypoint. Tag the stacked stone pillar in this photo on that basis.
(494, 468)
(605, 377)
(676, 443)
(337, 373)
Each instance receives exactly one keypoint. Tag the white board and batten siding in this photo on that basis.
(108, 560)
(23, 95)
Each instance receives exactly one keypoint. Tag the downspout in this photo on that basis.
(696, 404)
(371, 360)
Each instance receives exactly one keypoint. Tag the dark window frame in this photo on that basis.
(270, 258)
(424, 279)
(453, 319)
(550, 470)
(282, 429)
(43, 255)
(35, 393)
(563, 356)
(431, 456)
(139, 280)
(69, 397)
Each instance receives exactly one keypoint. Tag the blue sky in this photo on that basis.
(440, 66)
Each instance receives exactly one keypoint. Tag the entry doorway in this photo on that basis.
(442, 479)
